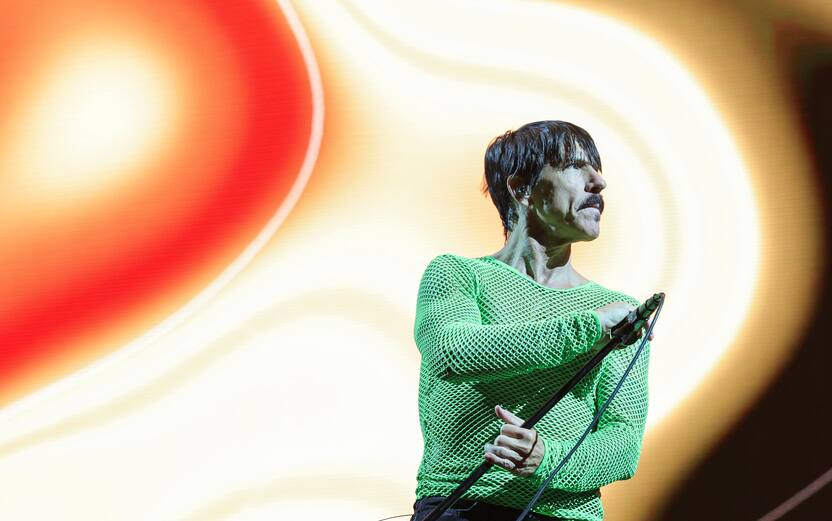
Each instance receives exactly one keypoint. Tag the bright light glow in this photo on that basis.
(666, 153)
(305, 355)
(104, 108)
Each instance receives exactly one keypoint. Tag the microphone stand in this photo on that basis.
(625, 331)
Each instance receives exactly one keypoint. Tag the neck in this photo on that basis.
(545, 260)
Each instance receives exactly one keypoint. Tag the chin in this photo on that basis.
(591, 235)
(588, 229)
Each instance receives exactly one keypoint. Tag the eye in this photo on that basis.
(577, 165)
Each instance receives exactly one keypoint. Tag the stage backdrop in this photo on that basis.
(215, 216)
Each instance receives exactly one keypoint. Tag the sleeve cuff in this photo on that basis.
(551, 457)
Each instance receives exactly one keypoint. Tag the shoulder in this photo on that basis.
(450, 262)
(451, 268)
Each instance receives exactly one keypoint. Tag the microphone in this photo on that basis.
(627, 329)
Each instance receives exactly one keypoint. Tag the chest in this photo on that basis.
(509, 298)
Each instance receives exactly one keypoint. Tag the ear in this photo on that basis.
(515, 188)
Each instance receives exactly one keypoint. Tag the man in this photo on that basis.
(499, 334)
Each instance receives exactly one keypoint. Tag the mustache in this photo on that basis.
(593, 200)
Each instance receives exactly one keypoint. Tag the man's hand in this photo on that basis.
(516, 449)
(612, 314)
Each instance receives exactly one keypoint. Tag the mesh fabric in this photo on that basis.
(489, 334)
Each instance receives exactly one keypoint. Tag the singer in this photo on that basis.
(499, 334)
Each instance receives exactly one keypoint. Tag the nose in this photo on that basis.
(595, 183)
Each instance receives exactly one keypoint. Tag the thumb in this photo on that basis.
(508, 416)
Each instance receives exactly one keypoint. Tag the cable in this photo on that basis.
(804, 494)
(594, 421)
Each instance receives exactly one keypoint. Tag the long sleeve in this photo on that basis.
(456, 345)
(611, 452)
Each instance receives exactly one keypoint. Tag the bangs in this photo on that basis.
(569, 148)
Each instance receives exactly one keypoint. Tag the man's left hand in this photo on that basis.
(515, 449)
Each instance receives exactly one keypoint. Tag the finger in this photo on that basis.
(503, 452)
(519, 446)
(631, 329)
(647, 327)
(513, 431)
(507, 416)
(496, 460)
(631, 338)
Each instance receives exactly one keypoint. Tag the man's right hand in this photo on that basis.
(615, 312)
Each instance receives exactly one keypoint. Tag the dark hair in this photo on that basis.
(525, 151)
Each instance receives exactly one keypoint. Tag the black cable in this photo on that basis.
(594, 421)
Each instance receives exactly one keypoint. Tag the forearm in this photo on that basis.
(465, 350)
(605, 456)
(612, 451)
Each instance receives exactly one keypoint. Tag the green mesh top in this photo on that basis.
(489, 335)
